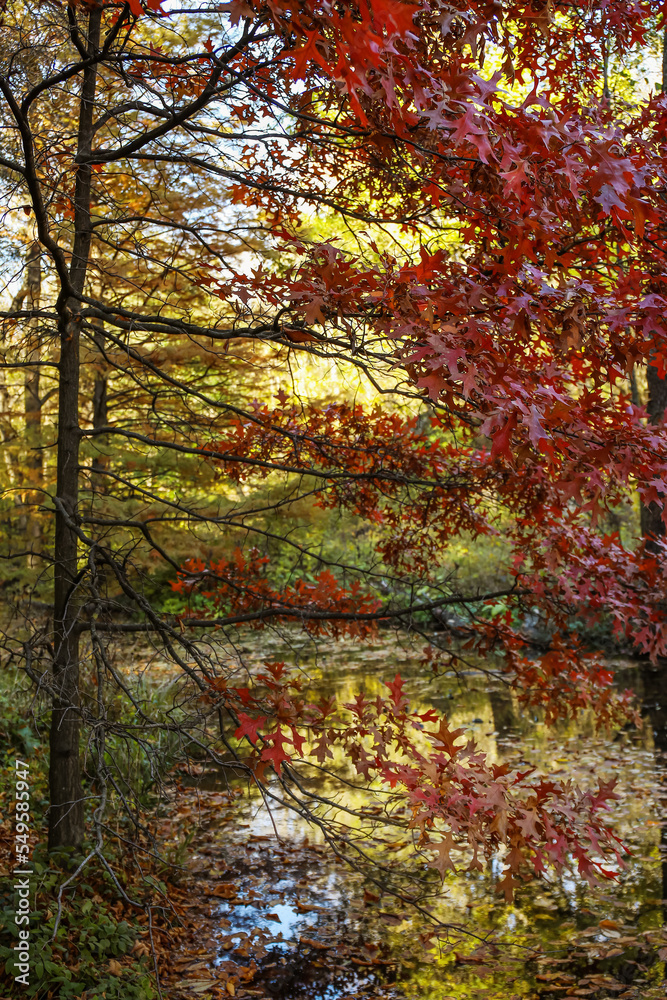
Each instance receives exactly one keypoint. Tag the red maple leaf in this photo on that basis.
(249, 727)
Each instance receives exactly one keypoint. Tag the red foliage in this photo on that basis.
(522, 341)
(238, 586)
(459, 803)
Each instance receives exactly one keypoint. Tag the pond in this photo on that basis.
(292, 922)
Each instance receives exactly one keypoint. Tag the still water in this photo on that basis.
(292, 923)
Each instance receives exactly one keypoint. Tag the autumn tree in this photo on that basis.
(436, 198)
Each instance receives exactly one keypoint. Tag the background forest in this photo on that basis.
(332, 479)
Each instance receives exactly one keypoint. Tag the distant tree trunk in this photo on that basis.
(66, 814)
(100, 412)
(100, 406)
(100, 462)
(28, 472)
(33, 403)
(652, 523)
(7, 433)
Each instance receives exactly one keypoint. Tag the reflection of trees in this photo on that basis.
(502, 708)
(654, 708)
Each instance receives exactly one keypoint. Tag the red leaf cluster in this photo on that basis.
(459, 803)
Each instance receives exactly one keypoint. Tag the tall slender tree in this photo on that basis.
(66, 818)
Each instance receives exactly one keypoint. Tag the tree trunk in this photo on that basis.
(33, 405)
(100, 408)
(66, 814)
(652, 524)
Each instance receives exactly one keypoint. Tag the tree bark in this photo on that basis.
(33, 405)
(66, 814)
(652, 524)
(100, 406)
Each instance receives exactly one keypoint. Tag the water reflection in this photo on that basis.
(654, 708)
(306, 924)
(301, 924)
(503, 711)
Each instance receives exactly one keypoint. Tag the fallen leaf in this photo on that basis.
(309, 908)
(314, 944)
(472, 960)
(225, 891)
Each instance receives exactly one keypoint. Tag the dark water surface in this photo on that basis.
(295, 924)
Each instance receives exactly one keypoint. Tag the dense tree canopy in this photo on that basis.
(309, 293)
